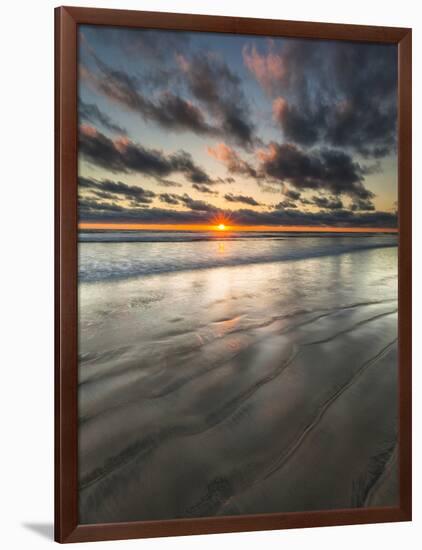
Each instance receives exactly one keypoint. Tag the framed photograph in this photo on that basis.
(233, 274)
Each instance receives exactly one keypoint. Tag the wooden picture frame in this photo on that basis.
(67, 19)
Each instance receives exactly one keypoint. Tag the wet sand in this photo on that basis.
(240, 390)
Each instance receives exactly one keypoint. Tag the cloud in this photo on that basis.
(108, 189)
(204, 189)
(286, 203)
(169, 198)
(362, 204)
(330, 170)
(101, 194)
(204, 213)
(167, 183)
(299, 125)
(333, 218)
(268, 68)
(152, 45)
(330, 203)
(182, 162)
(339, 94)
(88, 112)
(187, 201)
(332, 103)
(326, 170)
(101, 209)
(268, 188)
(173, 112)
(198, 205)
(323, 170)
(219, 89)
(231, 160)
(168, 110)
(241, 198)
(126, 156)
(209, 80)
(292, 194)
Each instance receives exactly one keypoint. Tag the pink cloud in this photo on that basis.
(279, 108)
(88, 130)
(121, 143)
(232, 161)
(268, 68)
(222, 152)
(268, 155)
(182, 62)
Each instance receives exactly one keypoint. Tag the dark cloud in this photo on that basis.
(268, 188)
(168, 110)
(200, 212)
(168, 183)
(330, 203)
(173, 112)
(152, 45)
(204, 189)
(340, 94)
(108, 189)
(209, 80)
(169, 198)
(219, 89)
(286, 203)
(326, 169)
(329, 218)
(188, 202)
(299, 123)
(88, 112)
(362, 204)
(198, 205)
(102, 194)
(182, 162)
(305, 202)
(102, 209)
(241, 198)
(330, 170)
(123, 155)
(292, 194)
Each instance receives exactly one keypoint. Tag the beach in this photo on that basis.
(236, 374)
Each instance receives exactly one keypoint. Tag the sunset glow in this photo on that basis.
(237, 228)
(223, 138)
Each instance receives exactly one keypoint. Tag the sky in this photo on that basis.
(183, 129)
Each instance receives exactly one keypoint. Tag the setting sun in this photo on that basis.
(221, 227)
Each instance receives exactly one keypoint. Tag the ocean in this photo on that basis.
(108, 255)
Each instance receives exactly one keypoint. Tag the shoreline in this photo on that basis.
(227, 390)
(215, 262)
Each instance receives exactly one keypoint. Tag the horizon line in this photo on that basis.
(227, 228)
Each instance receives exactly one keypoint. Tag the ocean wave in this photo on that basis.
(103, 261)
(131, 236)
